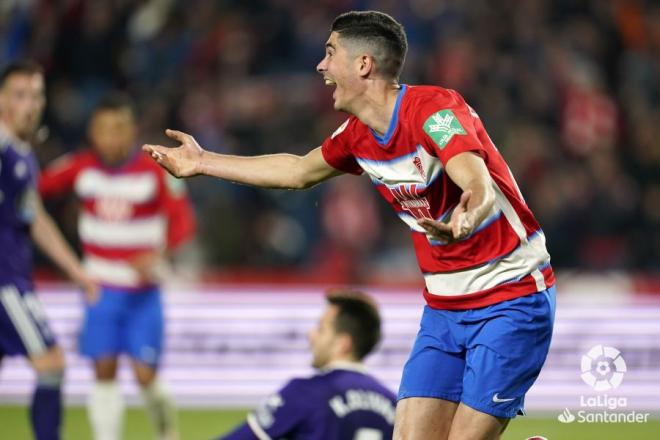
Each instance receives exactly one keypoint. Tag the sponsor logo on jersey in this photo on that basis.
(442, 126)
(412, 200)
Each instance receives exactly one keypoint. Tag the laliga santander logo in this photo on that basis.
(603, 368)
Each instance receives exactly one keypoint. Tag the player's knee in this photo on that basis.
(105, 369)
(146, 378)
(144, 374)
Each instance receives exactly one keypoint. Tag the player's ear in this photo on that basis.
(345, 344)
(366, 65)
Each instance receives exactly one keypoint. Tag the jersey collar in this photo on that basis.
(8, 138)
(345, 365)
(384, 140)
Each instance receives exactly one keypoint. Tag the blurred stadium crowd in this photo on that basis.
(568, 89)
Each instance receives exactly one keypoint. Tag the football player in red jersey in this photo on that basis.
(486, 329)
(131, 213)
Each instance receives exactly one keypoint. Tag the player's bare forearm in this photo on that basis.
(469, 172)
(480, 202)
(286, 171)
(49, 239)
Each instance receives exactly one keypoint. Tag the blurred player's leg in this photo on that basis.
(144, 339)
(25, 331)
(99, 340)
(105, 406)
(46, 406)
(158, 403)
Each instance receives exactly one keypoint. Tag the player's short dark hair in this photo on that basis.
(23, 67)
(382, 33)
(358, 317)
(115, 100)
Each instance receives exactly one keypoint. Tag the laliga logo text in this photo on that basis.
(603, 369)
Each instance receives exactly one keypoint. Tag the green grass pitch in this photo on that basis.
(206, 424)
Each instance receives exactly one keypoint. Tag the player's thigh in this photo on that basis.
(470, 424)
(144, 331)
(436, 364)
(24, 329)
(423, 418)
(102, 326)
(506, 353)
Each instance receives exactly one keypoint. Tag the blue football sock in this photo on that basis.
(46, 408)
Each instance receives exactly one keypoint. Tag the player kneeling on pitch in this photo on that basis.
(342, 401)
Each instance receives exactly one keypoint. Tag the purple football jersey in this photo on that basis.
(18, 179)
(337, 404)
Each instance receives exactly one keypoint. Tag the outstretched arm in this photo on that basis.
(269, 171)
(469, 172)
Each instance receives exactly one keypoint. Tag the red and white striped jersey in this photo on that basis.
(506, 256)
(126, 210)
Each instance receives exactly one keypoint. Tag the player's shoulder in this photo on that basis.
(303, 388)
(349, 128)
(75, 159)
(425, 98)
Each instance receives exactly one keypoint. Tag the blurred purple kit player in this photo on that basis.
(342, 401)
(23, 327)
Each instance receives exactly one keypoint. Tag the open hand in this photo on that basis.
(150, 266)
(460, 224)
(182, 161)
(89, 287)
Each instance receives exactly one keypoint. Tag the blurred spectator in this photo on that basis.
(569, 90)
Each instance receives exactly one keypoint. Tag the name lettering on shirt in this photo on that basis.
(361, 400)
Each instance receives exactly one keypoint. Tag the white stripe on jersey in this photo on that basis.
(402, 169)
(23, 323)
(525, 259)
(144, 232)
(256, 428)
(511, 215)
(115, 272)
(133, 187)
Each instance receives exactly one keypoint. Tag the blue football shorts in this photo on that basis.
(124, 322)
(487, 358)
(24, 329)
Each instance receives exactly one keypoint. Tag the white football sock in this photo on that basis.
(161, 410)
(105, 409)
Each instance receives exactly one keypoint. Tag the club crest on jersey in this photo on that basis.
(442, 126)
(418, 164)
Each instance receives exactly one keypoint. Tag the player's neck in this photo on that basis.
(345, 364)
(8, 131)
(377, 106)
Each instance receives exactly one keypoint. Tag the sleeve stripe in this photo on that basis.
(256, 428)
